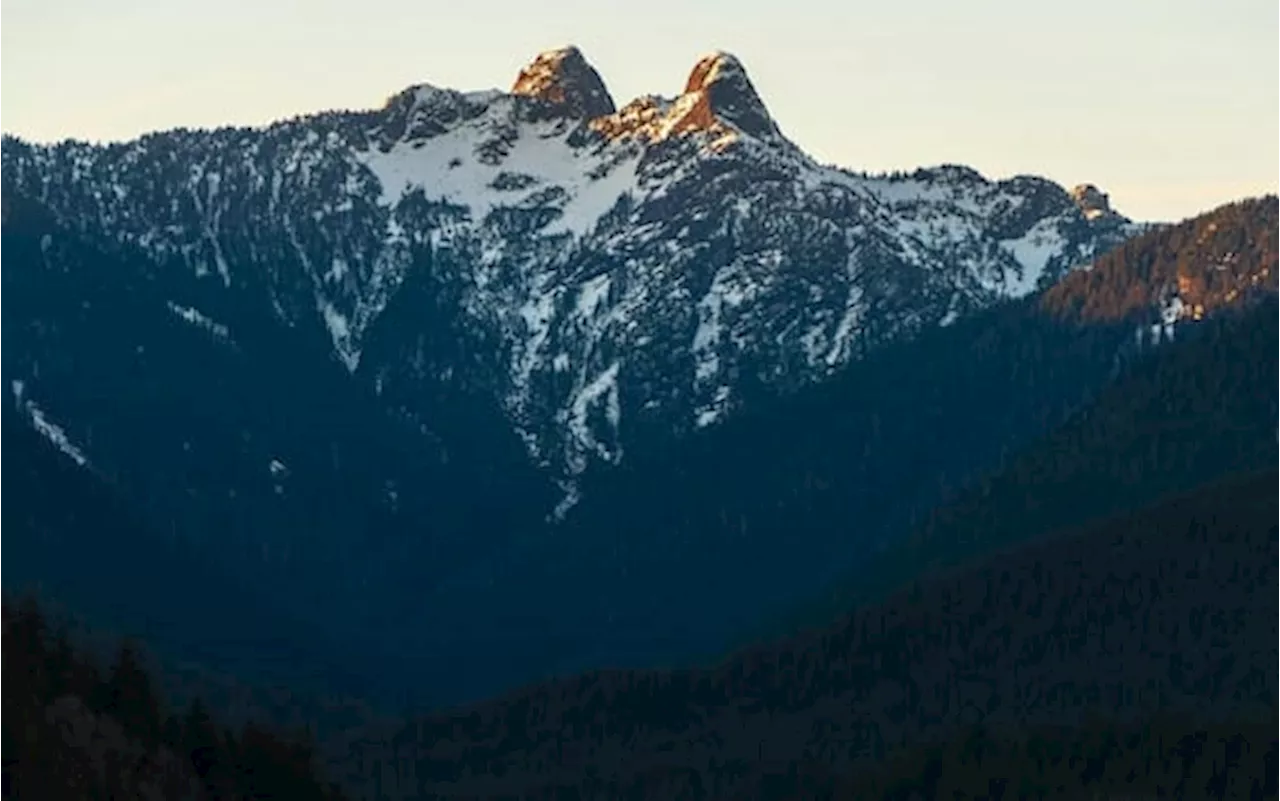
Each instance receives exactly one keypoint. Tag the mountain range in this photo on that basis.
(480, 389)
(476, 296)
(602, 276)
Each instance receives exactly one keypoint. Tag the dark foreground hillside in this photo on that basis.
(1173, 755)
(73, 731)
(1136, 656)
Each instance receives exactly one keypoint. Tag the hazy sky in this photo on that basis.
(1171, 106)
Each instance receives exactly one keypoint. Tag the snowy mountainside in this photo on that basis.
(602, 274)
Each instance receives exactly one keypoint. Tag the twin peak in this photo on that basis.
(718, 84)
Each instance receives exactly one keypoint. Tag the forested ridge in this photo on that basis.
(1162, 757)
(1208, 262)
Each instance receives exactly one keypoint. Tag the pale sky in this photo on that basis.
(1171, 106)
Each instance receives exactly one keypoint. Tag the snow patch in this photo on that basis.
(338, 270)
(713, 411)
(537, 313)
(812, 341)
(1033, 252)
(451, 168)
(842, 341)
(591, 295)
(604, 387)
(279, 472)
(726, 289)
(569, 500)
(52, 431)
(340, 333)
(200, 320)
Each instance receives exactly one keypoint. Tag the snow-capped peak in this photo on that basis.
(564, 77)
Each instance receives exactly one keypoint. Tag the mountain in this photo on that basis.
(597, 277)
(1146, 631)
(355, 360)
(821, 711)
(681, 545)
(480, 388)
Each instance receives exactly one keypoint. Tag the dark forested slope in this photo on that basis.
(1168, 614)
(1165, 756)
(1106, 621)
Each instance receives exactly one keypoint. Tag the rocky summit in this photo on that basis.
(563, 77)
